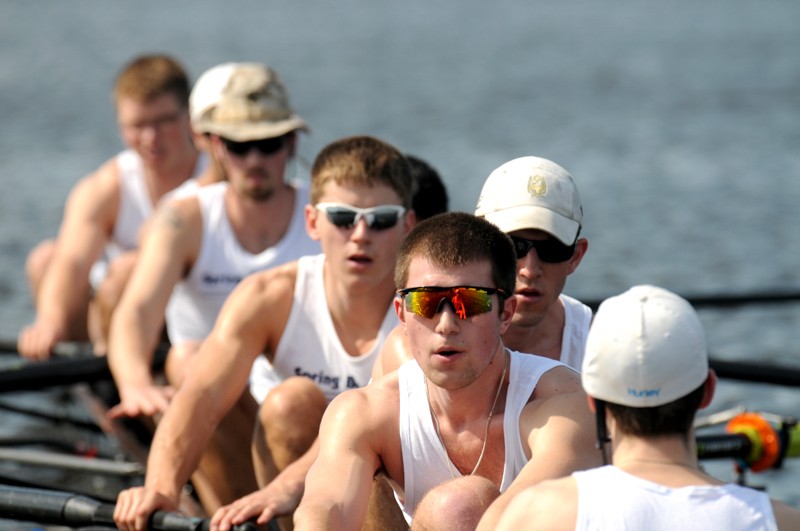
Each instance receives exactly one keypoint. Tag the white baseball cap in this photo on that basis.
(532, 193)
(242, 102)
(646, 347)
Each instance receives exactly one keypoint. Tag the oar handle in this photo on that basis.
(724, 446)
(753, 441)
(64, 371)
(166, 521)
(57, 507)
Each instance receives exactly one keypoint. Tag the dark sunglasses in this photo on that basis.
(379, 217)
(466, 301)
(550, 250)
(265, 146)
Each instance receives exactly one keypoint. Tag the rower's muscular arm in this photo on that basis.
(247, 322)
(63, 298)
(167, 253)
(348, 454)
(561, 437)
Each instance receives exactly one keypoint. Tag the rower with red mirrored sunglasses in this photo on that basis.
(536, 202)
(465, 301)
(466, 415)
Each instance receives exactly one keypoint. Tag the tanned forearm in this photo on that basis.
(132, 345)
(64, 296)
(179, 442)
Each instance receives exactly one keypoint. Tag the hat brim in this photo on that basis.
(531, 217)
(244, 132)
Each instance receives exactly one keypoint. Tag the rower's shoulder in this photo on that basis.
(394, 352)
(279, 278)
(381, 395)
(557, 381)
(267, 292)
(374, 407)
(551, 504)
(557, 393)
(387, 385)
(98, 187)
(273, 282)
(258, 308)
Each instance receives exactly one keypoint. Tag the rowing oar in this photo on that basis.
(756, 372)
(72, 462)
(66, 508)
(66, 349)
(28, 376)
(753, 441)
(727, 300)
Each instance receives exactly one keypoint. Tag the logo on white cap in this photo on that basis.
(532, 193)
(537, 186)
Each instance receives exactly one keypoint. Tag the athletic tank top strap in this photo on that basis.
(134, 205)
(577, 319)
(424, 458)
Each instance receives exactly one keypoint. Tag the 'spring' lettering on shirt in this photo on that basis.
(213, 280)
(322, 379)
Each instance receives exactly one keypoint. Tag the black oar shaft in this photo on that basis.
(756, 372)
(62, 371)
(71, 462)
(54, 372)
(727, 300)
(66, 349)
(65, 508)
(38, 505)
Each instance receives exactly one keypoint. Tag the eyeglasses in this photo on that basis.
(265, 146)
(156, 123)
(466, 301)
(550, 250)
(379, 217)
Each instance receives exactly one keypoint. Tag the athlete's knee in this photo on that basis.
(462, 501)
(37, 261)
(110, 290)
(294, 398)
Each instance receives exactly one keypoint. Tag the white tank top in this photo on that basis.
(134, 202)
(134, 208)
(310, 346)
(424, 458)
(609, 498)
(222, 263)
(577, 319)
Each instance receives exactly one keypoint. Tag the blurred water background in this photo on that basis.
(680, 122)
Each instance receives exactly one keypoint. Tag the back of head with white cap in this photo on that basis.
(646, 348)
(532, 193)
